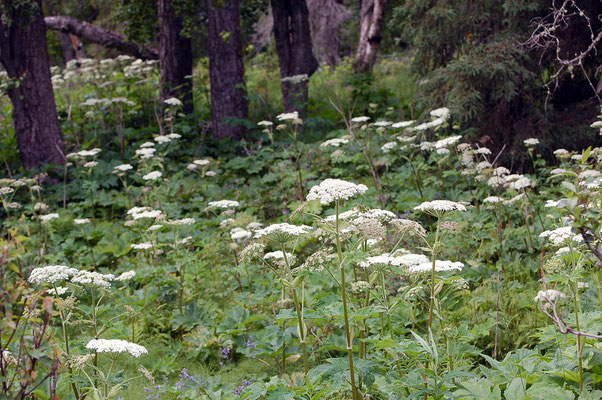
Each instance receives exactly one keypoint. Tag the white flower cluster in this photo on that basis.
(51, 274)
(278, 255)
(438, 207)
(358, 120)
(81, 221)
(122, 168)
(93, 278)
(183, 221)
(448, 141)
(288, 116)
(142, 246)
(387, 147)
(48, 217)
(240, 234)
(403, 124)
(440, 114)
(336, 142)
(560, 236)
(151, 176)
(126, 276)
(331, 190)
(531, 142)
(550, 294)
(172, 101)
(283, 229)
(406, 260)
(440, 266)
(224, 204)
(116, 346)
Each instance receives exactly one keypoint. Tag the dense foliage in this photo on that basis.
(182, 247)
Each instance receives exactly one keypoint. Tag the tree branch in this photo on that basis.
(101, 36)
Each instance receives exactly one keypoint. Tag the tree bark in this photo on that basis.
(24, 55)
(371, 21)
(101, 36)
(326, 18)
(295, 55)
(226, 70)
(175, 56)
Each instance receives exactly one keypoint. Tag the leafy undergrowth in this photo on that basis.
(264, 270)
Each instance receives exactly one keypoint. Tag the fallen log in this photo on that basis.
(101, 36)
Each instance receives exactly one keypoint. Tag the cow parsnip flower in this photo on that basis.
(282, 233)
(439, 208)
(223, 204)
(51, 274)
(440, 266)
(330, 190)
(92, 278)
(151, 176)
(116, 346)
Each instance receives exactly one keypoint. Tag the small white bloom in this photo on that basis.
(288, 116)
(162, 139)
(154, 214)
(440, 266)
(202, 162)
(172, 101)
(81, 221)
(331, 190)
(90, 164)
(183, 221)
(126, 276)
(336, 142)
(531, 142)
(360, 119)
(439, 207)
(116, 346)
(51, 274)
(520, 183)
(48, 217)
(93, 278)
(142, 246)
(224, 204)
(265, 123)
(123, 167)
(403, 124)
(282, 232)
(550, 294)
(240, 234)
(151, 176)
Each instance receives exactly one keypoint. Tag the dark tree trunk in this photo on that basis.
(371, 21)
(101, 36)
(24, 55)
(226, 70)
(293, 44)
(175, 56)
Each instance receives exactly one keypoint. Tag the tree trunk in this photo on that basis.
(295, 55)
(226, 70)
(175, 56)
(24, 55)
(101, 36)
(326, 18)
(371, 21)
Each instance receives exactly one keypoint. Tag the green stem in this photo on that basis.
(344, 297)
(300, 322)
(434, 256)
